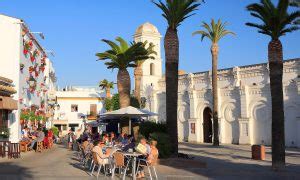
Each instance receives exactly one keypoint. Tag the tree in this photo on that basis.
(105, 84)
(138, 72)
(114, 102)
(276, 22)
(122, 56)
(175, 12)
(214, 32)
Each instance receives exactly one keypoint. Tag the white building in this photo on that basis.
(76, 105)
(244, 99)
(23, 60)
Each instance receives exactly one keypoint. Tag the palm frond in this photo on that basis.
(176, 11)
(276, 20)
(123, 54)
(213, 31)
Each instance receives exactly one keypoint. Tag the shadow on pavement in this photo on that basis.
(11, 171)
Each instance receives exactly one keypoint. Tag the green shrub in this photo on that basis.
(107, 104)
(163, 143)
(115, 103)
(148, 127)
(4, 132)
(55, 130)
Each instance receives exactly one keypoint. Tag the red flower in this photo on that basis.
(25, 51)
(32, 58)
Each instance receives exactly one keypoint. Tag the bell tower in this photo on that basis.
(152, 68)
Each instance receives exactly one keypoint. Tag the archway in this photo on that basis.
(207, 125)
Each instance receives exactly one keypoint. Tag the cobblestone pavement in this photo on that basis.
(234, 162)
(224, 162)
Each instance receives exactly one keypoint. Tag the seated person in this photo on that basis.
(102, 158)
(152, 158)
(25, 134)
(130, 145)
(112, 138)
(87, 146)
(38, 138)
(143, 147)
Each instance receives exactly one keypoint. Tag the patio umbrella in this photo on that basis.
(130, 112)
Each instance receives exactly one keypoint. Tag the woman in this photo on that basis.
(102, 158)
(151, 159)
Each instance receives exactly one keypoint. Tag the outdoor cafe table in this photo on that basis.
(133, 155)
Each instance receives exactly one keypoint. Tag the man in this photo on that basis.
(40, 135)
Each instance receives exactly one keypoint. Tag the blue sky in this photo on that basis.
(73, 29)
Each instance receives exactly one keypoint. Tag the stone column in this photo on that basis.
(244, 125)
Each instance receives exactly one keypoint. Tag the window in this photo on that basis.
(152, 69)
(74, 108)
(193, 130)
(64, 127)
(93, 109)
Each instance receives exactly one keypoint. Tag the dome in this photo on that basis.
(147, 28)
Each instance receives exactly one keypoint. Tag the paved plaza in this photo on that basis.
(225, 162)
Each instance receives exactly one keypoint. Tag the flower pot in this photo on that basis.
(32, 58)
(42, 68)
(258, 152)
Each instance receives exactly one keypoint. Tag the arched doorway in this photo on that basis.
(207, 125)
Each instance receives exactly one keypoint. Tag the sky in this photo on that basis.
(73, 30)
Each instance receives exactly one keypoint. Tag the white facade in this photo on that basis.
(12, 44)
(83, 98)
(244, 102)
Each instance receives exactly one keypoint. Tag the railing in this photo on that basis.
(11, 150)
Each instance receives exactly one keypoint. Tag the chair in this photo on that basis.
(23, 146)
(149, 165)
(97, 163)
(119, 162)
(50, 143)
(39, 146)
(14, 150)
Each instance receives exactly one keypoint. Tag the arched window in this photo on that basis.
(152, 69)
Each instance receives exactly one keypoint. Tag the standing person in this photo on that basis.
(71, 139)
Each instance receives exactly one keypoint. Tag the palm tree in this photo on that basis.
(175, 12)
(214, 32)
(276, 22)
(121, 57)
(105, 84)
(138, 71)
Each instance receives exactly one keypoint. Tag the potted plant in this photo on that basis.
(31, 69)
(22, 67)
(42, 68)
(4, 133)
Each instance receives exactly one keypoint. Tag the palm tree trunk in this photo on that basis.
(137, 88)
(123, 82)
(107, 89)
(172, 58)
(276, 70)
(214, 53)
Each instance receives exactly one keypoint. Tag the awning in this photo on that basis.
(8, 103)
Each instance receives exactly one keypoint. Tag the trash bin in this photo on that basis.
(258, 152)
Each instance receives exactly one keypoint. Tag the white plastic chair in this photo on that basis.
(100, 165)
(149, 165)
